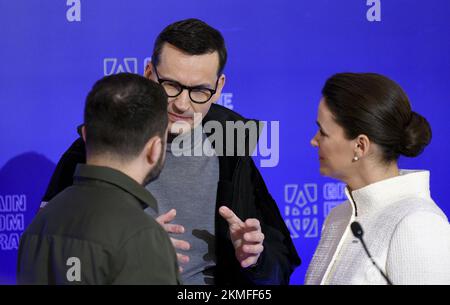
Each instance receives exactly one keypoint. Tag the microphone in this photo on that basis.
(358, 233)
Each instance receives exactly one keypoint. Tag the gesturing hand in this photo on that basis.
(164, 220)
(246, 236)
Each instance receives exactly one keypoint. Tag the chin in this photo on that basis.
(324, 171)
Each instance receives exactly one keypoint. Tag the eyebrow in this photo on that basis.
(202, 86)
(207, 86)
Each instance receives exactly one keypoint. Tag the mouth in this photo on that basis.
(176, 117)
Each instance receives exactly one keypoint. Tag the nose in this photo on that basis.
(182, 102)
(314, 141)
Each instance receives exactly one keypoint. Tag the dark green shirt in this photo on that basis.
(96, 232)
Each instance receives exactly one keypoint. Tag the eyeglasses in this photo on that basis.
(199, 95)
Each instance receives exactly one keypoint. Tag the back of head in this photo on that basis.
(194, 37)
(374, 105)
(122, 112)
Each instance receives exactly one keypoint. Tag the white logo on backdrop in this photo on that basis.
(116, 65)
(73, 14)
(333, 195)
(301, 210)
(226, 100)
(374, 12)
(12, 220)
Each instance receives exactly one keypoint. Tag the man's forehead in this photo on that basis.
(186, 68)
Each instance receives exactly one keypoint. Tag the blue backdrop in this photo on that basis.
(280, 54)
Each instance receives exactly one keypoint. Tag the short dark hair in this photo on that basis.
(374, 105)
(122, 112)
(193, 37)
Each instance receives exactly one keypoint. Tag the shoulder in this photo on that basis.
(221, 113)
(94, 213)
(422, 223)
(119, 210)
(415, 216)
(422, 230)
(77, 146)
(76, 150)
(229, 124)
(62, 176)
(419, 250)
(415, 208)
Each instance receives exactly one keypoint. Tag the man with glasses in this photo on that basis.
(225, 226)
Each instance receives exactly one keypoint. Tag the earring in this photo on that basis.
(355, 158)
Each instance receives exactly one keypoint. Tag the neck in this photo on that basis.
(371, 173)
(131, 168)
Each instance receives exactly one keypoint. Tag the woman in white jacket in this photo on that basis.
(365, 123)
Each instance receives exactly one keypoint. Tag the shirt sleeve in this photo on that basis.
(419, 251)
(147, 258)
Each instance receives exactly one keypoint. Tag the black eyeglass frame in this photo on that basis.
(189, 89)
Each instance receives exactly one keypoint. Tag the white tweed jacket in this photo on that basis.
(404, 230)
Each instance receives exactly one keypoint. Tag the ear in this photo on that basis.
(148, 73)
(220, 85)
(83, 133)
(362, 145)
(153, 150)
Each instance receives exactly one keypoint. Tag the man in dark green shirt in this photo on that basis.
(95, 231)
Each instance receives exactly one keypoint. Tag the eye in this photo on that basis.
(172, 88)
(323, 134)
(170, 84)
(200, 95)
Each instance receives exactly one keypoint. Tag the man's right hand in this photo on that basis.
(164, 220)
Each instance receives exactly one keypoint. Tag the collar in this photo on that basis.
(118, 179)
(379, 195)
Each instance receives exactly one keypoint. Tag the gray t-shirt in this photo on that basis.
(189, 185)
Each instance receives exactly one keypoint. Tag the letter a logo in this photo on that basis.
(74, 272)
(374, 13)
(74, 12)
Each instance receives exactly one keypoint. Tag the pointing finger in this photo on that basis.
(229, 216)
